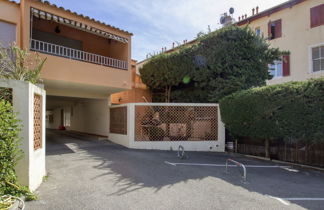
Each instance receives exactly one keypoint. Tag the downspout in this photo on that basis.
(24, 23)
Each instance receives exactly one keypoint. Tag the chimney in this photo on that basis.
(239, 18)
(245, 16)
(253, 11)
(242, 17)
(173, 45)
(257, 10)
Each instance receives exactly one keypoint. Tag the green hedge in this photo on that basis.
(9, 147)
(292, 112)
(10, 153)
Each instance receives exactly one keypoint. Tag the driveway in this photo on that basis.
(87, 173)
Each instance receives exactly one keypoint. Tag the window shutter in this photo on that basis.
(286, 65)
(7, 33)
(317, 16)
(278, 28)
(269, 30)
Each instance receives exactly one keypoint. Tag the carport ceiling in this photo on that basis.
(53, 102)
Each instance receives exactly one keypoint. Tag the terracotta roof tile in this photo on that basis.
(81, 15)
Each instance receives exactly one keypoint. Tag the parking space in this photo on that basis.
(97, 174)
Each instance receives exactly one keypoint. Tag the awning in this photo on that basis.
(75, 24)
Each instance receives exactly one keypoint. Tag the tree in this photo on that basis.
(165, 71)
(19, 64)
(233, 59)
(223, 62)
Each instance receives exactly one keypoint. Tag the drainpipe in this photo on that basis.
(25, 24)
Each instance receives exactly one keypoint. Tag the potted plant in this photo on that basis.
(156, 133)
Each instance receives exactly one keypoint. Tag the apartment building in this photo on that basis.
(87, 60)
(296, 26)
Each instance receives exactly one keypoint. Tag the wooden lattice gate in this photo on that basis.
(37, 121)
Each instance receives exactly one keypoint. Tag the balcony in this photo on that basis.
(70, 53)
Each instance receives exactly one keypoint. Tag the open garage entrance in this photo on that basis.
(84, 115)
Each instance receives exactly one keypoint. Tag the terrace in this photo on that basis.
(58, 36)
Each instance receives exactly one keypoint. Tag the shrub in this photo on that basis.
(19, 64)
(10, 152)
(292, 111)
(156, 134)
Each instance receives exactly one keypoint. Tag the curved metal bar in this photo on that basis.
(181, 152)
(238, 164)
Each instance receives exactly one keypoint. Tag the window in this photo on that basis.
(258, 31)
(280, 68)
(7, 33)
(275, 69)
(318, 58)
(274, 29)
(317, 16)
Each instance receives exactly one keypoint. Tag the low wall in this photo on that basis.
(202, 121)
(29, 102)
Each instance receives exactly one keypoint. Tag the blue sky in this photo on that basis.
(159, 23)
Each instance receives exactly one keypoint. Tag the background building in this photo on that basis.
(296, 26)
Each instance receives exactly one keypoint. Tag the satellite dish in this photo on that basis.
(231, 10)
(222, 20)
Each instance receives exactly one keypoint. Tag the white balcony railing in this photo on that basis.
(74, 54)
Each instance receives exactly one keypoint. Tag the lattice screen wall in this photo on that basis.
(37, 121)
(118, 120)
(176, 123)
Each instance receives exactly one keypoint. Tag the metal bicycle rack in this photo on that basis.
(238, 164)
(181, 152)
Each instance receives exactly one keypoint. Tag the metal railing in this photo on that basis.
(238, 164)
(74, 54)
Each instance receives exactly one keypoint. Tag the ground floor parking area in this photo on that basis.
(85, 172)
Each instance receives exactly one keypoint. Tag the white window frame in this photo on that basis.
(310, 55)
(275, 63)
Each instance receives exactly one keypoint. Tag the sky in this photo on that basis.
(159, 23)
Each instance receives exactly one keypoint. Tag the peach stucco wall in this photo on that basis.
(138, 92)
(68, 70)
(9, 12)
(297, 37)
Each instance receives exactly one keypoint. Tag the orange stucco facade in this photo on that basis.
(64, 76)
(139, 92)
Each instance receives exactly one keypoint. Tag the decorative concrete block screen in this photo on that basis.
(176, 123)
(118, 120)
(28, 102)
(37, 121)
(166, 126)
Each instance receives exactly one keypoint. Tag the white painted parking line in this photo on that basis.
(286, 202)
(73, 146)
(304, 199)
(223, 165)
